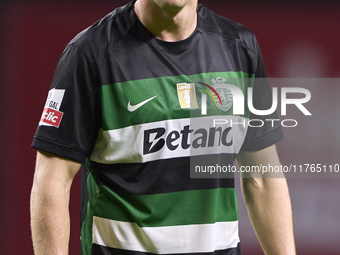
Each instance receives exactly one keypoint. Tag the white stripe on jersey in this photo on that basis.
(128, 145)
(165, 240)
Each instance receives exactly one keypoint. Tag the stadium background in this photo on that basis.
(297, 38)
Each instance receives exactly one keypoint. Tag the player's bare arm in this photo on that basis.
(268, 203)
(50, 221)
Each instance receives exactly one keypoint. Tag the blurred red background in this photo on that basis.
(298, 39)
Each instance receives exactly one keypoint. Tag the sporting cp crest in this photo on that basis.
(187, 95)
(225, 94)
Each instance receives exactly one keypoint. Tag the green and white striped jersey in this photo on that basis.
(140, 113)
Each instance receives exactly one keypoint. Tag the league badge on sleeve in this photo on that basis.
(51, 115)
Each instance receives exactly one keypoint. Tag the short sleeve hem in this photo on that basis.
(59, 150)
(263, 142)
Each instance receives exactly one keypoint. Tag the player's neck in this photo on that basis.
(167, 24)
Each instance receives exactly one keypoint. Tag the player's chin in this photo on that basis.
(173, 5)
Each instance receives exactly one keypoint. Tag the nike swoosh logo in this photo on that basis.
(133, 108)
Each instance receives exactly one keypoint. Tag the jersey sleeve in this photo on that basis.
(70, 121)
(258, 138)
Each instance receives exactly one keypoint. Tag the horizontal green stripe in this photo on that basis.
(115, 98)
(170, 209)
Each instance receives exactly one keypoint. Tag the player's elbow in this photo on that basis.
(251, 188)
